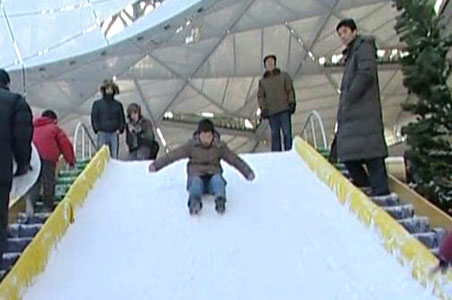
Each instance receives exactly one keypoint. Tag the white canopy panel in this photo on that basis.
(192, 57)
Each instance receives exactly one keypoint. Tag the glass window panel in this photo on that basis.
(14, 7)
(7, 55)
(248, 50)
(52, 30)
(80, 45)
(105, 9)
(276, 41)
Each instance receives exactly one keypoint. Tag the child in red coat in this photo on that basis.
(445, 254)
(50, 141)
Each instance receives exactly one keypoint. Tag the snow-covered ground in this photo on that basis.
(284, 236)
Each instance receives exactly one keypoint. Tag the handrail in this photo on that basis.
(310, 120)
(84, 131)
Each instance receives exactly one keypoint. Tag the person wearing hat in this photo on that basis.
(204, 152)
(140, 137)
(276, 100)
(16, 132)
(107, 118)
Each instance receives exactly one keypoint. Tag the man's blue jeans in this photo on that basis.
(281, 121)
(110, 139)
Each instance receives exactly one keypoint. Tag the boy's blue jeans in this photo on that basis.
(199, 185)
(281, 122)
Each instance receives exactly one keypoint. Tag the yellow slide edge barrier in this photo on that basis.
(397, 241)
(34, 259)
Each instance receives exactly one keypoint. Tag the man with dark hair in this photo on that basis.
(350, 23)
(16, 131)
(107, 118)
(360, 134)
(50, 141)
(205, 151)
(276, 100)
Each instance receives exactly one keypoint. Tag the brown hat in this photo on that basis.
(109, 83)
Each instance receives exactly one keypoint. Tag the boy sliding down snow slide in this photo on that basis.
(205, 151)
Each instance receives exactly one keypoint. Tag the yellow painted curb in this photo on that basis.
(397, 240)
(34, 259)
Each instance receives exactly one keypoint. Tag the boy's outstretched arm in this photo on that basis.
(234, 160)
(169, 158)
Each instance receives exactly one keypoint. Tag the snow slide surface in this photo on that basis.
(284, 236)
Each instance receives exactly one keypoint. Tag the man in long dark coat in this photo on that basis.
(360, 135)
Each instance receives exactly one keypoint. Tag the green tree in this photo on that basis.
(426, 69)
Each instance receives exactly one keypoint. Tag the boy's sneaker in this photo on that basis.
(220, 205)
(194, 206)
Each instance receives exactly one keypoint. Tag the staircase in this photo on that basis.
(21, 233)
(417, 226)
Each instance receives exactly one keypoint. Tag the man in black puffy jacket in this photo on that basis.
(16, 133)
(107, 118)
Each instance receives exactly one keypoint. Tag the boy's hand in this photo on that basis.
(151, 168)
(250, 176)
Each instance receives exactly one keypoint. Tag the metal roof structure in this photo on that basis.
(191, 56)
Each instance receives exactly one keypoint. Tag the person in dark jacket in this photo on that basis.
(360, 134)
(276, 100)
(107, 118)
(16, 131)
(205, 151)
(50, 141)
(139, 135)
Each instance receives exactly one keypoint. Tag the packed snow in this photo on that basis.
(284, 236)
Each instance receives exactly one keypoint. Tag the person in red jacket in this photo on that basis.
(445, 254)
(50, 141)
